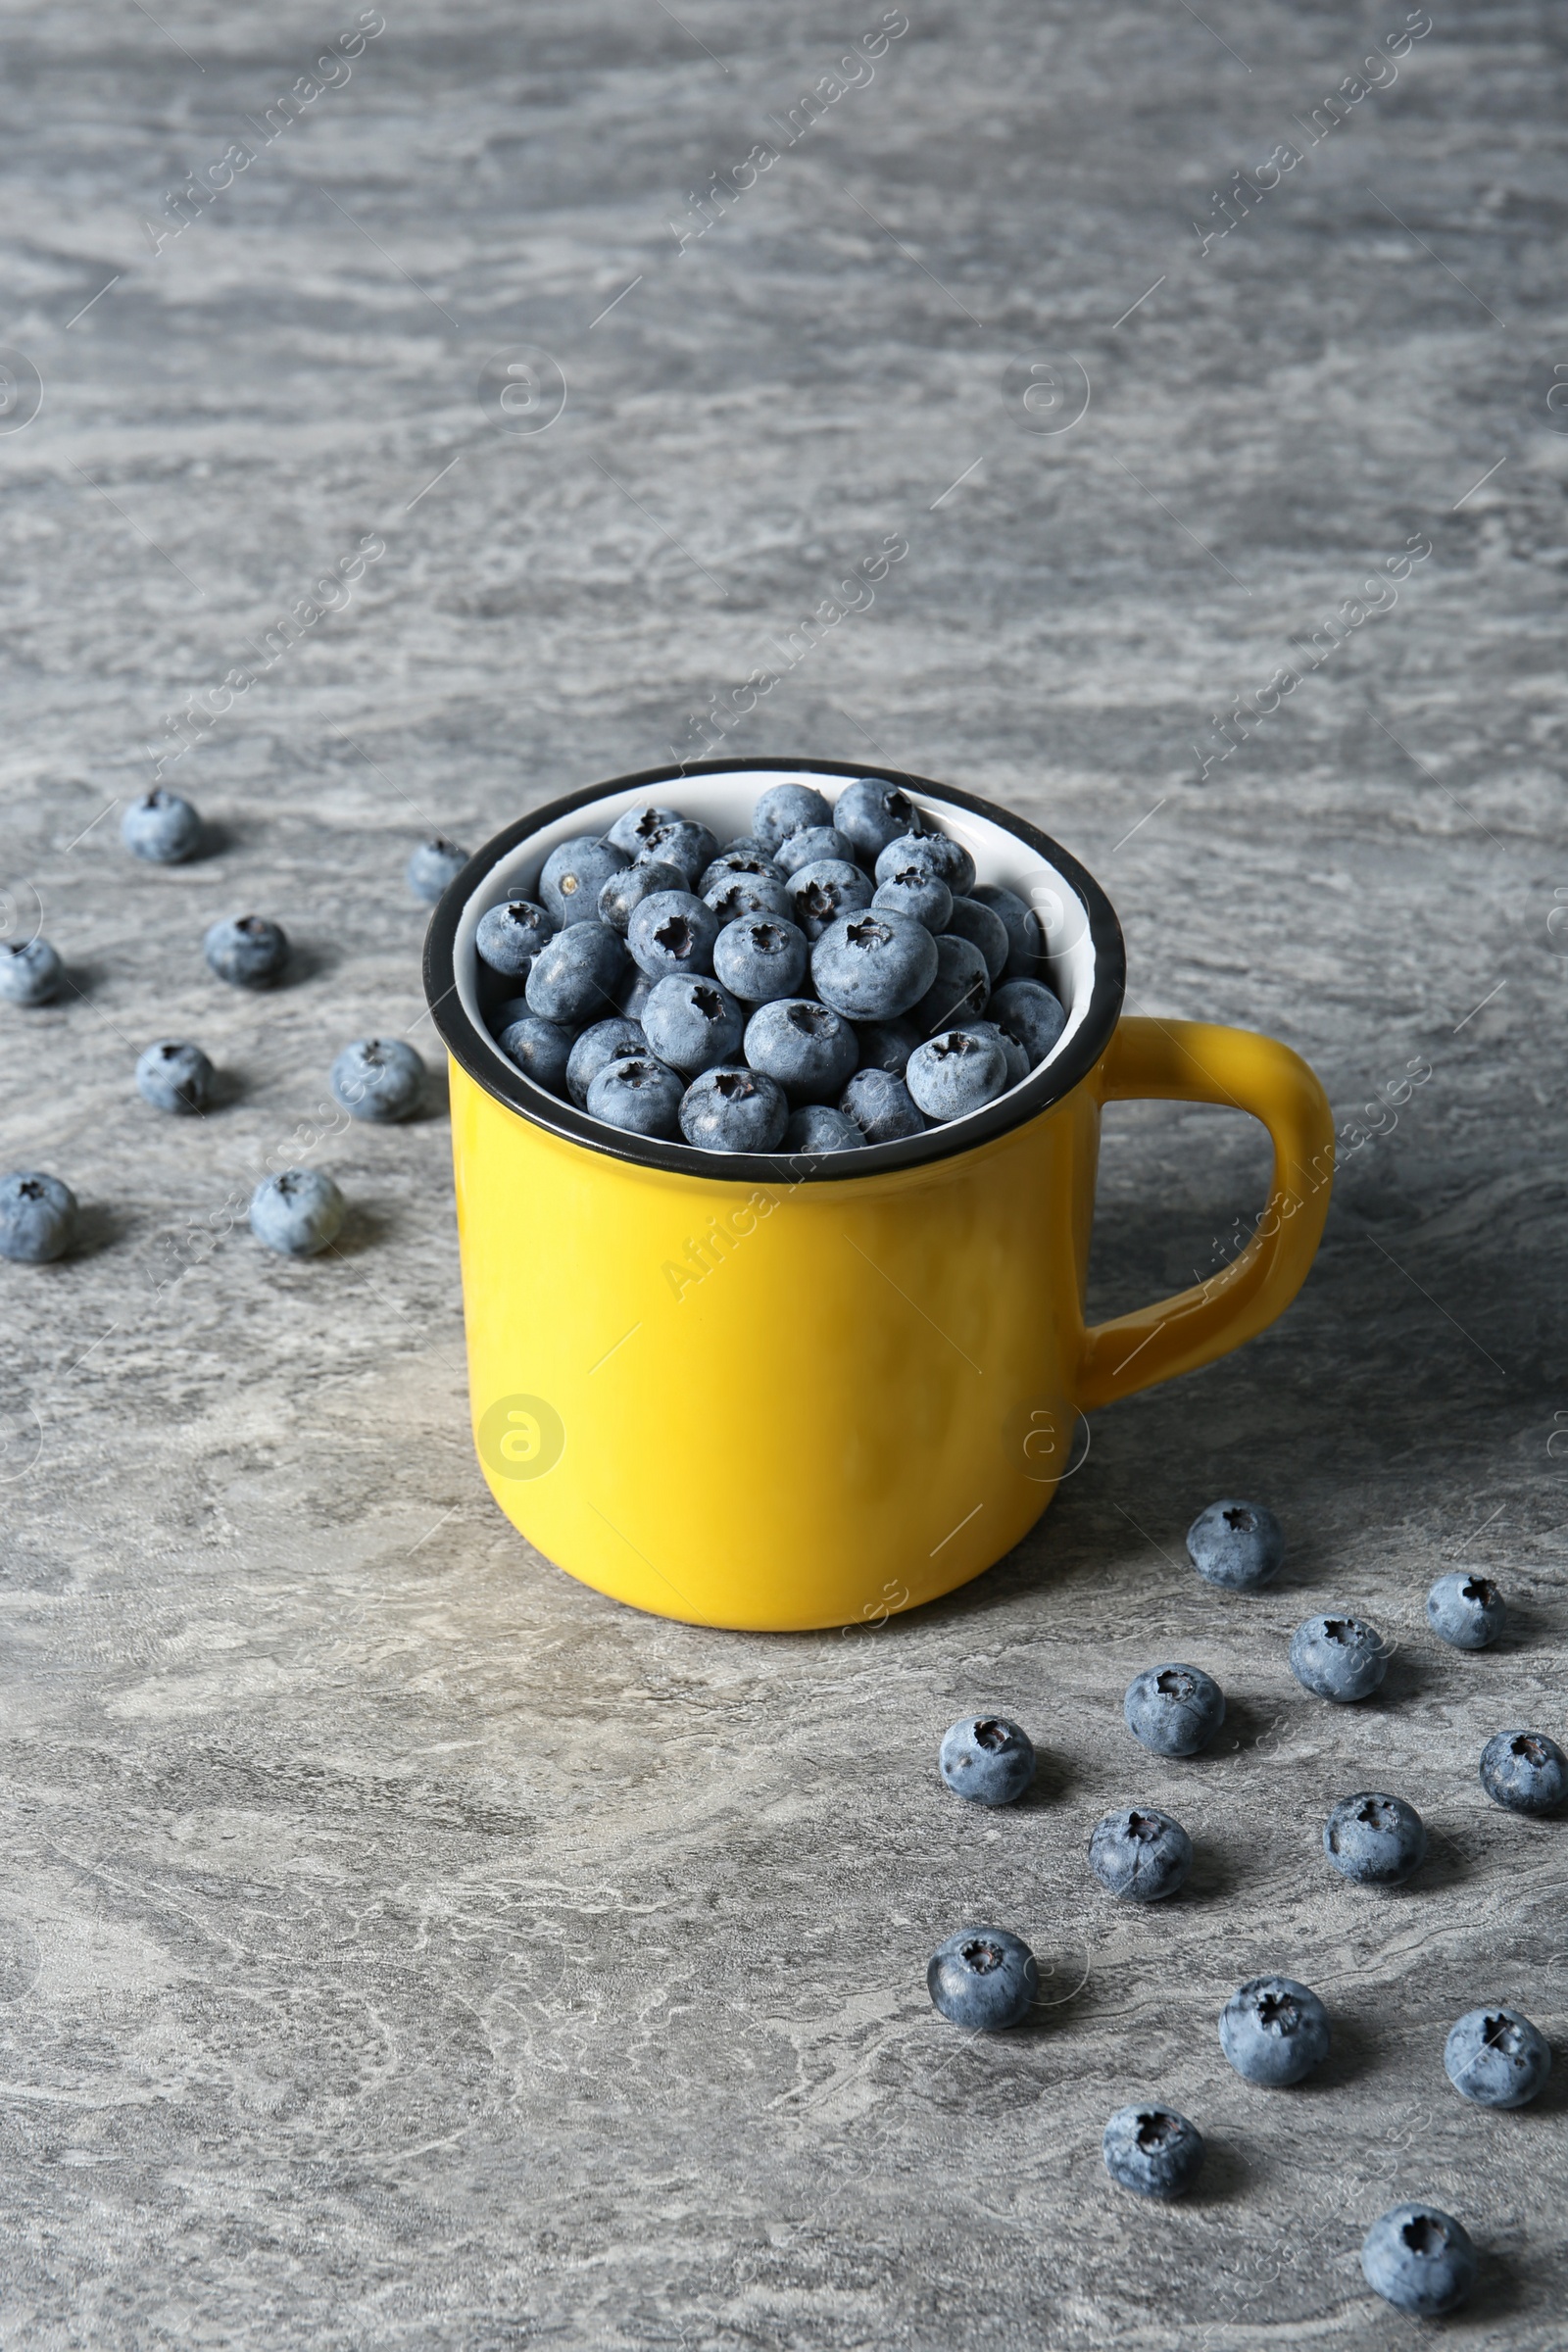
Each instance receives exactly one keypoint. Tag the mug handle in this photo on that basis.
(1198, 1061)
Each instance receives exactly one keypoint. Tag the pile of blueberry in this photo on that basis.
(298, 1211)
(832, 979)
(1273, 2030)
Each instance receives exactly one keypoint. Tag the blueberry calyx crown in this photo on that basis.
(734, 1085)
(1377, 1813)
(1480, 1589)
(1240, 1518)
(811, 1021)
(954, 1046)
(1425, 2235)
(1532, 1749)
(30, 1188)
(981, 1955)
(1143, 1827)
(709, 1002)
(1502, 2033)
(1172, 1682)
(1158, 2129)
(991, 1735)
(1279, 2012)
(674, 935)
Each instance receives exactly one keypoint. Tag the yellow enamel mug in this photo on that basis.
(775, 1393)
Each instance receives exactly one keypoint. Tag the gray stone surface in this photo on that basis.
(400, 1946)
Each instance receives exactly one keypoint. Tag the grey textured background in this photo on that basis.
(400, 1946)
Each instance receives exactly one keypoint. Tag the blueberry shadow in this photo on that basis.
(307, 963)
(1444, 1867)
(1498, 2288)
(217, 838)
(1407, 1676)
(362, 1229)
(1226, 2174)
(1054, 1780)
(98, 1228)
(228, 1088)
(1245, 1725)
(1212, 1876)
(435, 1101)
(1352, 2055)
(1522, 1628)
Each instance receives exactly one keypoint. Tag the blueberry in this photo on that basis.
(823, 891)
(983, 1979)
(1015, 1060)
(606, 1042)
(172, 1076)
(760, 959)
(37, 1217)
(639, 1094)
(1339, 1657)
(955, 1073)
(633, 994)
(1027, 1010)
(1274, 2031)
(870, 813)
(575, 976)
(988, 1759)
(807, 1048)
(786, 809)
(541, 1048)
(881, 1106)
(734, 1110)
(1466, 1611)
(162, 828)
(620, 896)
(915, 891)
(733, 896)
(693, 1025)
(1524, 1772)
(1376, 1840)
(735, 862)
(815, 845)
(744, 843)
(248, 950)
(635, 828)
(1174, 1709)
(1141, 1854)
(433, 867)
(378, 1079)
(960, 990)
(1238, 1545)
(815, 1127)
(688, 847)
(872, 967)
(672, 931)
(1026, 944)
(297, 1213)
(516, 1008)
(1497, 2058)
(1153, 2151)
(887, 1044)
(510, 936)
(938, 852)
(984, 930)
(30, 973)
(1419, 2259)
(575, 873)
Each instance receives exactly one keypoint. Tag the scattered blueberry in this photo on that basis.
(690, 848)
(870, 813)
(786, 809)
(1497, 2058)
(1274, 2031)
(938, 852)
(1026, 944)
(172, 1076)
(1238, 1545)
(30, 972)
(988, 1759)
(542, 1050)
(510, 936)
(733, 896)
(1466, 1611)
(1015, 1061)
(881, 1106)
(1420, 2260)
(1153, 2151)
(1376, 1840)
(693, 1025)
(606, 1042)
(960, 990)
(915, 890)
(822, 893)
(984, 1979)
(983, 929)
(297, 1213)
(1339, 1657)
(639, 1095)
(620, 896)
(1524, 1772)
(575, 873)
(247, 950)
(734, 1110)
(635, 828)
(575, 976)
(760, 959)
(955, 1073)
(873, 967)
(378, 1079)
(1175, 1710)
(815, 1127)
(1139, 1854)
(1029, 1011)
(887, 1044)
(433, 867)
(807, 1048)
(37, 1217)
(672, 931)
(162, 828)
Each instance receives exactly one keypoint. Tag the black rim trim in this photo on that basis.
(475, 1051)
